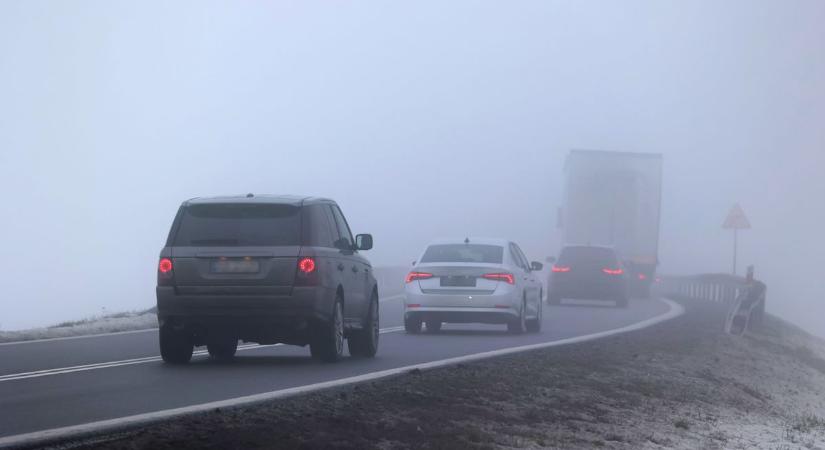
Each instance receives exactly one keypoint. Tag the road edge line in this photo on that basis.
(43, 437)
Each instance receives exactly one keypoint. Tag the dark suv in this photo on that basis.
(265, 269)
(587, 272)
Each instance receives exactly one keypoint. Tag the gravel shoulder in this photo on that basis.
(680, 384)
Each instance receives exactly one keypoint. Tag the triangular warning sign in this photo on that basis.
(736, 219)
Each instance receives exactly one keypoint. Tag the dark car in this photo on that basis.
(265, 269)
(587, 272)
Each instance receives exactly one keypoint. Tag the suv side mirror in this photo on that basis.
(536, 266)
(550, 259)
(363, 242)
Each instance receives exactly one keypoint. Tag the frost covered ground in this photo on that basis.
(110, 323)
(682, 384)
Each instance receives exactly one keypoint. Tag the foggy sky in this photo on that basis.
(423, 120)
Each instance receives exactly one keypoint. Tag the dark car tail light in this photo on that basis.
(610, 271)
(165, 271)
(306, 265)
(506, 277)
(560, 269)
(412, 276)
(165, 265)
(308, 272)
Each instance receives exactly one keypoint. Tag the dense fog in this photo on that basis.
(422, 120)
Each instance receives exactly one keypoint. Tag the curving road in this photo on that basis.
(47, 385)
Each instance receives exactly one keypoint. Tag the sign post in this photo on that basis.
(736, 220)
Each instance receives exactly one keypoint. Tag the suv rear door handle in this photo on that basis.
(340, 266)
(354, 269)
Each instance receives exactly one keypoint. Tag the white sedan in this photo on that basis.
(473, 281)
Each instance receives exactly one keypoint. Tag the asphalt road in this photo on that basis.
(59, 383)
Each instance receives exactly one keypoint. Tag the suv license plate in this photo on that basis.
(235, 266)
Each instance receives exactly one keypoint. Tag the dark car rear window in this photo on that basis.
(233, 225)
(478, 253)
(585, 255)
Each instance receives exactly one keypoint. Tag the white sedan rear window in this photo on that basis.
(470, 253)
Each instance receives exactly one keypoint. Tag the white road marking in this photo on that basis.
(75, 431)
(115, 333)
(129, 362)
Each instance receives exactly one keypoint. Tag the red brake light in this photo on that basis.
(165, 265)
(642, 276)
(559, 269)
(613, 271)
(507, 277)
(306, 265)
(412, 276)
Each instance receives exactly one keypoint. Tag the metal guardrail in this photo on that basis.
(744, 296)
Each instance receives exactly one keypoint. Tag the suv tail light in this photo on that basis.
(506, 277)
(165, 271)
(165, 265)
(306, 265)
(560, 269)
(412, 276)
(610, 271)
(307, 274)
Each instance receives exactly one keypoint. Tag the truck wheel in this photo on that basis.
(328, 337)
(519, 324)
(175, 345)
(412, 326)
(223, 350)
(364, 342)
(534, 325)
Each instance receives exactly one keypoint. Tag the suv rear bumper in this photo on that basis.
(257, 318)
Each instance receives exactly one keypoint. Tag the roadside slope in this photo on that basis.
(680, 384)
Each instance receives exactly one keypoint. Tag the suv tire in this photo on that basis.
(175, 346)
(328, 337)
(433, 326)
(364, 342)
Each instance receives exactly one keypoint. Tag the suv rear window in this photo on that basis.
(473, 253)
(235, 225)
(579, 255)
